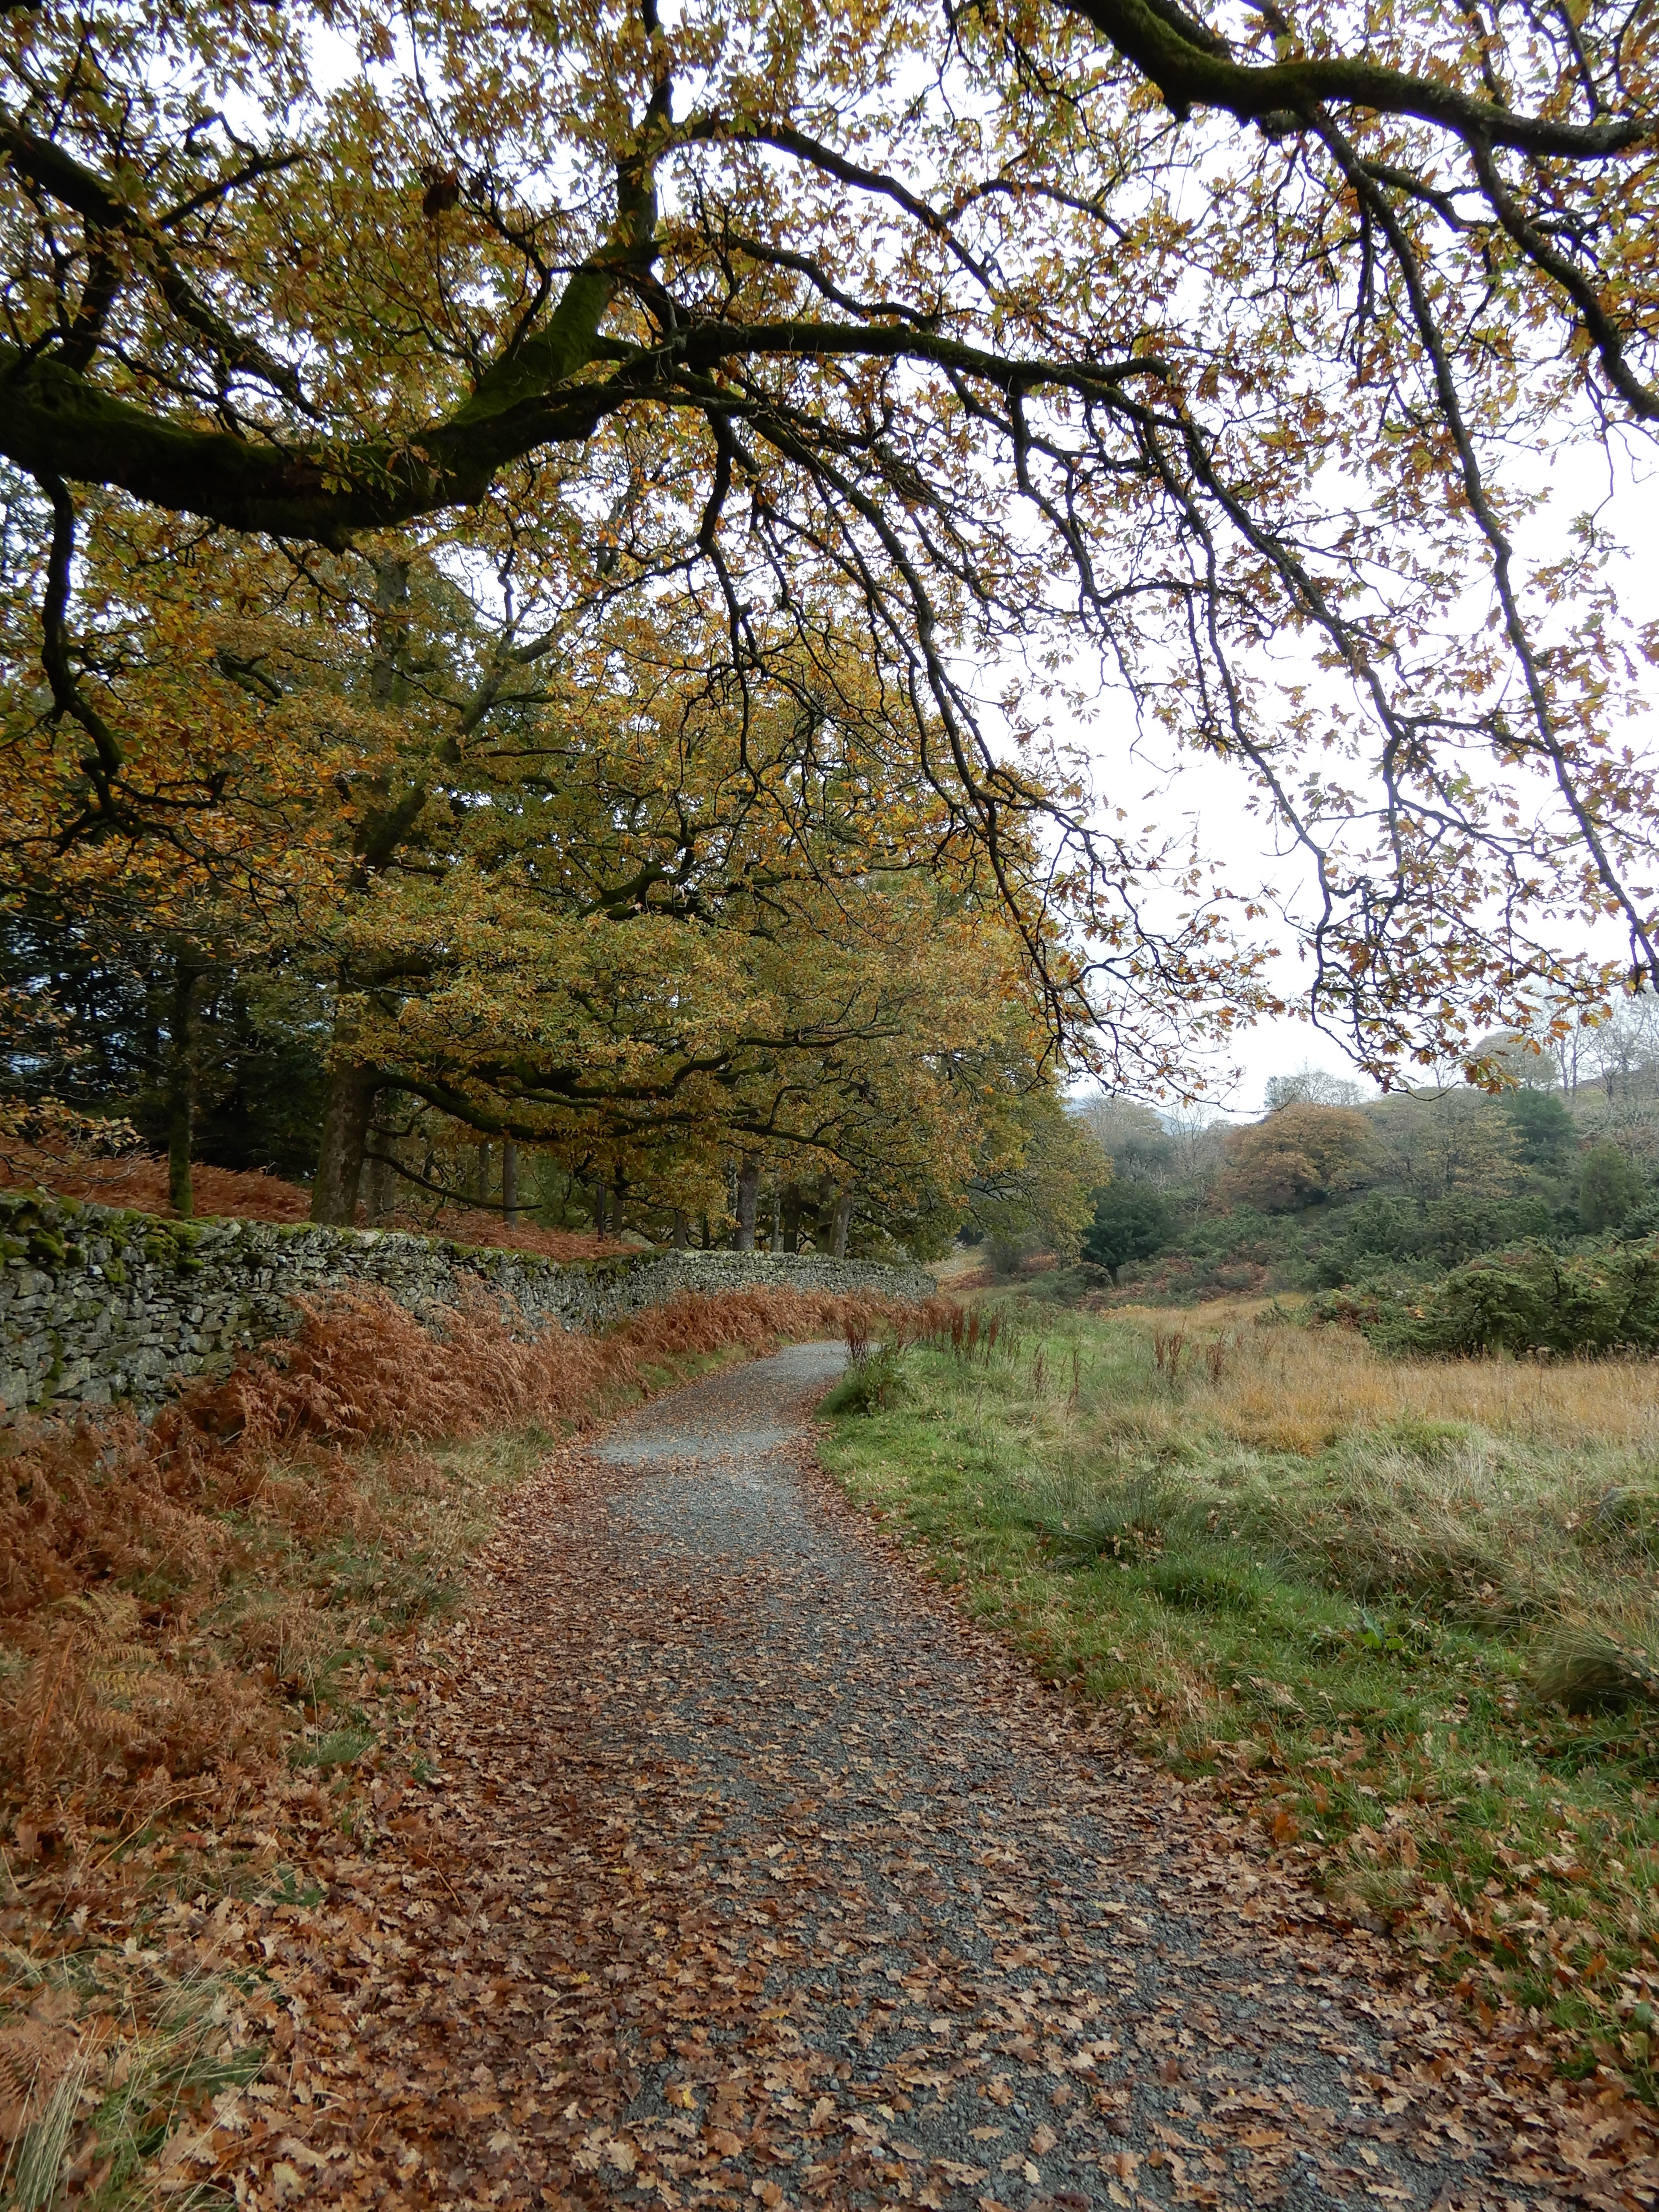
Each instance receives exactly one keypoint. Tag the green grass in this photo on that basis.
(1358, 1638)
(340, 1746)
(183, 2054)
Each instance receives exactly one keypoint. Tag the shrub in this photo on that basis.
(1608, 1186)
(1602, 1301)
(1008, 1250)
(1454, 1231)
(1379, 1226)
(870, 1384)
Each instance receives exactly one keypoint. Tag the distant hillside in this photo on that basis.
(1333, 1188)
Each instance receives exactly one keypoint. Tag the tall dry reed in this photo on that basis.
(1300, 1390)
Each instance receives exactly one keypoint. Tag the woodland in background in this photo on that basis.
(1443, 1219)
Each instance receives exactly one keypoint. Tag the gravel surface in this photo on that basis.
(750, 1873)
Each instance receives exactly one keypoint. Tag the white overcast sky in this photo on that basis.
(1182, 787)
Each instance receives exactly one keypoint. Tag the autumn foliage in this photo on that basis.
(675, 323)
(174, 1591)
(1297, 1156)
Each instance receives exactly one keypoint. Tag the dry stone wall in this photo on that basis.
(97, 1305)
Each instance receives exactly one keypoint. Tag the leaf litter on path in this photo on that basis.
(743, 1872)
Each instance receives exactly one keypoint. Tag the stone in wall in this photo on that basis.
(97, 1305)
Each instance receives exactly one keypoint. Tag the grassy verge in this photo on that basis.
(1402, 1609)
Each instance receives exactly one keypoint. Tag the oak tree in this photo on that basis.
(1299, 1155)
(1039, 330)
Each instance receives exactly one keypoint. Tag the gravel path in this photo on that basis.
(749, 1874)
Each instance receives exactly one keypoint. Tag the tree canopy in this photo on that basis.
(1132, 1221)
(1300, 1156)
(1310, 1086)
(1018, 342)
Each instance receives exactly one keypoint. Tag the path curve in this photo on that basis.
(749, 1874)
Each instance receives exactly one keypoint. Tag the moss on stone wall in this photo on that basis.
(98, 1303)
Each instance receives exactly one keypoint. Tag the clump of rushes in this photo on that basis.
(1584, 1671)
(1406, 1613)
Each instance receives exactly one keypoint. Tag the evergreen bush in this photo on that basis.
(1602, 1300)
(1608, 1186)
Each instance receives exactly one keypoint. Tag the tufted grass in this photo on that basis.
(1405, 1612)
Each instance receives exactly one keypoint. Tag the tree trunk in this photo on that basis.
(777, 1222)
(346, 1115)
(620, 1186)
(386, 683)
(509, 1180)
(707, 1239)
(181, 1085)
(481, 1188)
(681, 1231)
(748, 1198)
(842, 1223)
(598, 1205)
(792, 1211)
(380, 1187)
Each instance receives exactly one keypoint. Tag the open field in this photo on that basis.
(1403, 1609)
